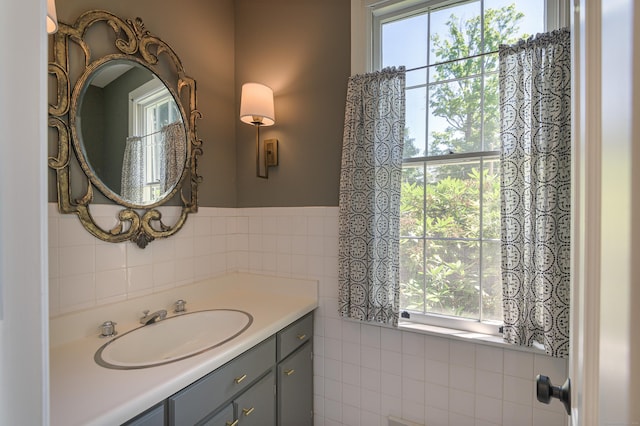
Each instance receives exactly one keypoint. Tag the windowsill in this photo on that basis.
(467, 336)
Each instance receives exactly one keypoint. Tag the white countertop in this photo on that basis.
(84, 393)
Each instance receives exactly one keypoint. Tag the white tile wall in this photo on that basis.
(85, 272)
(363, 373)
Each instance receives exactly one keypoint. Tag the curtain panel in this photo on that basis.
(174, 153)
(132, 180)
(535, 107)
(369, 203)
(171, 152)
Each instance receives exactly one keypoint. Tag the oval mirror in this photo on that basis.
(131, 133)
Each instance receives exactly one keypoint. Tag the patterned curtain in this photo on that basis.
(535, 106)
(174, 152)
(369, 209)
(132, 180)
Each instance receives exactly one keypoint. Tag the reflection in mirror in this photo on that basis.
(131, 132)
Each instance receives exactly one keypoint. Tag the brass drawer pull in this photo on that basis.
(234, 423)
(302, 336)
(289, 372)
(247, 411)
(240, 379)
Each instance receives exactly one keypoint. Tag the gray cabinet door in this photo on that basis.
(223, 418)
(295, 388)
(257, 406)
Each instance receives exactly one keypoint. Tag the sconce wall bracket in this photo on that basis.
(271, 152)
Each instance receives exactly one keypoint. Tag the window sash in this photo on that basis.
(481, 323)
(434, 160)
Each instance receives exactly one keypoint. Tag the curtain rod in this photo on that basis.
(148, 134)
(157, 131)
(453, 60)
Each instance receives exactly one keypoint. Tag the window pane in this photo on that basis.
(415, 123)
(491, 63)
(456, 70)
(163, 114)
(455, 117)
(404, 42)
(411, 275)
(455, 32)
(491, 200)
(453, 200)
(507, 21)
(452, 283)
(491, 120)
(416, 78)
(174, 113)
(412, 201)
(491, 282)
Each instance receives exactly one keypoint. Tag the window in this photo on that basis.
(152, 108)
(450, 206)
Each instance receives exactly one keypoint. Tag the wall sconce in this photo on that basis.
(52, 17)
(256, 107)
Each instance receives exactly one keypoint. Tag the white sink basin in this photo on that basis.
(173, 339)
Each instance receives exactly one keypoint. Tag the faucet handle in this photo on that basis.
(145, 313)
(108, 329)
(180, 306)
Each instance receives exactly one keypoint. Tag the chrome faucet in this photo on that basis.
(151, 318)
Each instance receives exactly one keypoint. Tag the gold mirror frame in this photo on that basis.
(133, 42)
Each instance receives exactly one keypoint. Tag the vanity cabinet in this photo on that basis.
(270, 384)
(152, 417)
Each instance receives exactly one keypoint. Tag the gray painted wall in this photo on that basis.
(298, 47)
(202, 34)
(301, 50)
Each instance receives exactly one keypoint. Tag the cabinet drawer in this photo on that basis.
(294, 335)
(198, 400)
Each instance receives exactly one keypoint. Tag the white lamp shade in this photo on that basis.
(52, 17)
(257, 101)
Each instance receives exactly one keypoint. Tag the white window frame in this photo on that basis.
(368, 16)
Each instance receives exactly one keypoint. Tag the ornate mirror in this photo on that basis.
(126, 113)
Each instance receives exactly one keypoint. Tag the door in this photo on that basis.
(295, 388)
(24, 314)
(605, 356)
